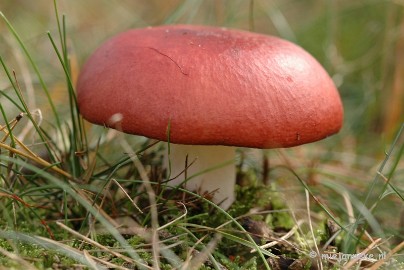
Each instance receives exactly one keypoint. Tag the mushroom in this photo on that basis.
(213, 89)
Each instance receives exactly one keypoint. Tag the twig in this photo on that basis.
(311, 227)
(357, 258)
(127, 195)
(37, 159)
(94, 243)
(380, 262)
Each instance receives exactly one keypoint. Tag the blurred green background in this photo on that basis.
(360, 43)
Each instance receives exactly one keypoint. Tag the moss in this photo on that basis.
(238, 262)
(38, 256)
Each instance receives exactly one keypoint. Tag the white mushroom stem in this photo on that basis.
(210, 169)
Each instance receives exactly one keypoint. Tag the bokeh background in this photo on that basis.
(359, 42)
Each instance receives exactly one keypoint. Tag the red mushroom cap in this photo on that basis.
(213, 86)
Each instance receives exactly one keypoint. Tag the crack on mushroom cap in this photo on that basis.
(172, 60)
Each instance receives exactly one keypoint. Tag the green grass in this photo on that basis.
(73, 195)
